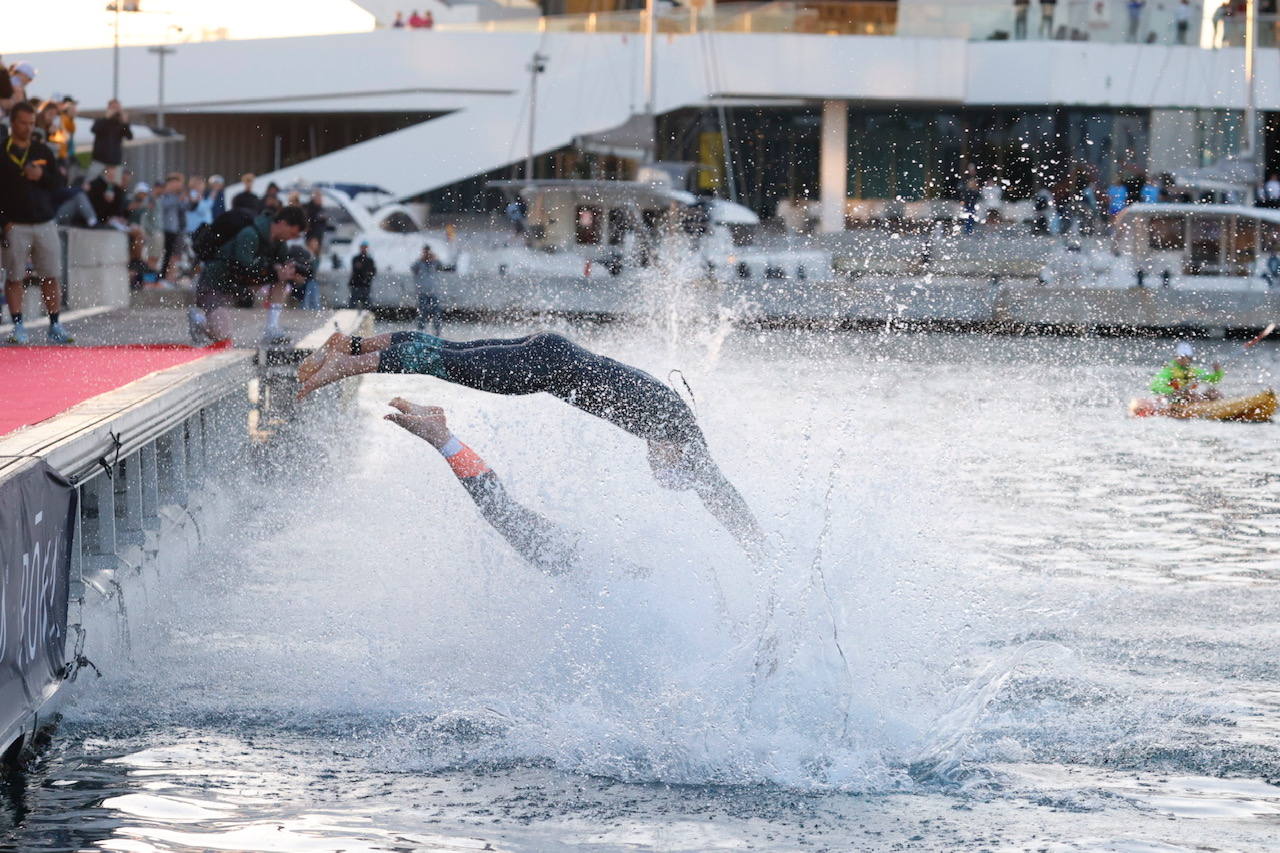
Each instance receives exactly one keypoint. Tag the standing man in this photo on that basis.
(363, 269)
(199, 204)
(247, 198)
(1135, 17)
(110, 204)
(109, 134)
(249, 257)
(1220, 16)
(1020, 10)
(318, 218)
(1047, 8)
(425, 270)
(1271, 191)
(173, 222)
(1182, 20)
(67, 119)
(14, 89)
(29, 179)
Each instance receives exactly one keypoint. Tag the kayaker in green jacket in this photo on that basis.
(1179, 380)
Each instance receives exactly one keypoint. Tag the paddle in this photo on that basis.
(1244, 350)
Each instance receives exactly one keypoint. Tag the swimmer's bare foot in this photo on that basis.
(337, 343)
(426, 422)
(331, 369)
(414, 409)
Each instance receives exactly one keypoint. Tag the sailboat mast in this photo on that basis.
(650, 31)
(1251, 104)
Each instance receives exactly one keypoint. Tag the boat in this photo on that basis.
(599, 228)
(1194, 247)
(1255, 409)
(361, 213)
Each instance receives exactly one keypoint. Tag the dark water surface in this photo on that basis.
(1008, 618)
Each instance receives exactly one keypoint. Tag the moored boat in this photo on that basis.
(1255, 409)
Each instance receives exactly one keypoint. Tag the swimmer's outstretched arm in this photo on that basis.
(538, 540)
(339, 357)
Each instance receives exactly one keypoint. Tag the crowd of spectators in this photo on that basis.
(1143, 20)
(46, 183)
(425, 21)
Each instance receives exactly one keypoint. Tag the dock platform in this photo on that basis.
(105, 448)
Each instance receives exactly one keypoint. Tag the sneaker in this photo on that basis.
(58, 334)
(19, 335)
(197, 330)
(276, 338)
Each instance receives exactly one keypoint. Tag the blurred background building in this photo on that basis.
(829, 103)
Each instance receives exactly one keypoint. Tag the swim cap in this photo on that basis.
(1185, 350)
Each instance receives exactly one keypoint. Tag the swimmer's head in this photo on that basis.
(674, 465)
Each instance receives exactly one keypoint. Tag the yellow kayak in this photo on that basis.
(1260, 407)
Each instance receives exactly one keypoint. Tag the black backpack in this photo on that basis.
(212, 236)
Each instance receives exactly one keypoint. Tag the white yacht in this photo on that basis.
(359, 214)
(593, 228)
(1181, 246)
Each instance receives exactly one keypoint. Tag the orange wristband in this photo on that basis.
(467, 463)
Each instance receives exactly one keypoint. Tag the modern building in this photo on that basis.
(824, 101)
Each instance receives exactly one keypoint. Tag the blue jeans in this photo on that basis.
(311, 295)
(429, 307)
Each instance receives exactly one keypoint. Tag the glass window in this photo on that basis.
(587, 224)
(398, 222)
(1167, 234)
(1242, 246)
(619, 225)
(1271, 237)
(1204, 236)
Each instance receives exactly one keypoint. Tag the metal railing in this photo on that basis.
(1109, 21)
(819, 18)
(157, 476)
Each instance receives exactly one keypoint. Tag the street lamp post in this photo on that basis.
(161, 51)
(115, 53)
(1250, 85)
(116, 7)
(536, 66)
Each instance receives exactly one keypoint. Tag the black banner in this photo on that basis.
(37, 521)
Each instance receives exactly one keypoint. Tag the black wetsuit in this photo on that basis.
(539, 540)
(623, 395)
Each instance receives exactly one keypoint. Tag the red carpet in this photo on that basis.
(39, 382)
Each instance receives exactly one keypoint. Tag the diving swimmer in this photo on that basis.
(623, 395)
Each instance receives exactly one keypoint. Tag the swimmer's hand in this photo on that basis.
(426, 422)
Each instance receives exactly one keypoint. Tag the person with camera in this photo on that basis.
(242, 252)
(109, 134)
(29, 181)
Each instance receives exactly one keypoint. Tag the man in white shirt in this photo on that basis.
(1271, 190)
(1182, 20)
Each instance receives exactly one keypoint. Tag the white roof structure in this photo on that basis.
(593, 83)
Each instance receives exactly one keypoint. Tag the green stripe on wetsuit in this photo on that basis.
(414, 352)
